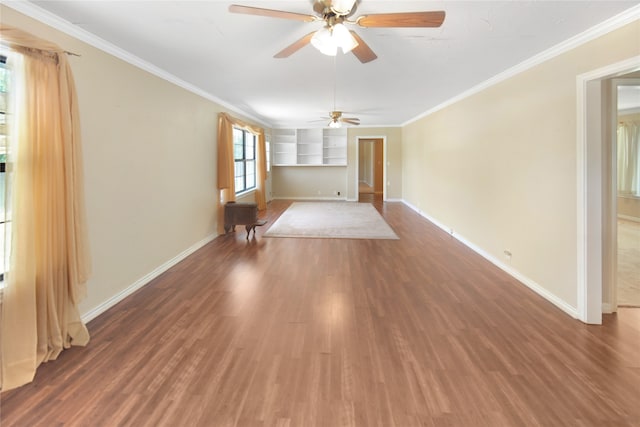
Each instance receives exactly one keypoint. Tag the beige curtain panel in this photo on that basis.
(226, 164)
(49, 258)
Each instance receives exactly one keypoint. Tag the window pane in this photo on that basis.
(239, 169)
(268, 154)
(238, 142)
(237, 136)
(244, 149)
(251, 144)
(237, 151)
(251, 181)
(251, 173)
(239, 185)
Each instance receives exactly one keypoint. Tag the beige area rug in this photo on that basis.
(628, 263)
(331, 220)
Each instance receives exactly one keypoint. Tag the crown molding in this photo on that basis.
(605, 27)
(31, 10)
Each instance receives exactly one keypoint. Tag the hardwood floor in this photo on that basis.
(628, 278)
(419, 331)
(363, 187)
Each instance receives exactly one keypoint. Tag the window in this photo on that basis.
(629, 158)
(244, 156)
(4, 219)
(267, 149)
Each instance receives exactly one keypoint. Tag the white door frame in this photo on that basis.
(590, 181)
(384, 164)
(610, 288)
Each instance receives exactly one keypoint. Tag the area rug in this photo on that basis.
(331, 220)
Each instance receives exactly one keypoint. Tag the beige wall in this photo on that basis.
(149, 157)
(322, 182)
(499, 167)
(309, 182)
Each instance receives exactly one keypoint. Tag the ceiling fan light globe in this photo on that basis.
(342, 7)
(323, 41)
(343, 38)
(335, 124)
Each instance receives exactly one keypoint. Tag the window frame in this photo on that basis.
(244, 160)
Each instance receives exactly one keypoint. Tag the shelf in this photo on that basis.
(310, 147)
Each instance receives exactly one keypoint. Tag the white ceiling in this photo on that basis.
(230, 56)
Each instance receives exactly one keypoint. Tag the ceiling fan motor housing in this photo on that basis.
(341, 8)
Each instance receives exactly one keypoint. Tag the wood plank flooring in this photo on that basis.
(419, 331)
(628, 278)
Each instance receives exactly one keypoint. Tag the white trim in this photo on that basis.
(586, 296)
(607, 308)
(46, 17)
(101, 308)
(599, 30)
(531, 284)
(581, 199)
(339, 199)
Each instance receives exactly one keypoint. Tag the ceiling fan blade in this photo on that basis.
(350, 121)
(247, 10)
(407, 19)
(363, 52)
(295, 46)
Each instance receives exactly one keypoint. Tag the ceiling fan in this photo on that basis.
(336, 119)
(334, 34)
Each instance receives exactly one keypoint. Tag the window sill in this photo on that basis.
(245, 193)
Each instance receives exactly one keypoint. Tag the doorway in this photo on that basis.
(370, 169)
(596, 189)
(626, 173)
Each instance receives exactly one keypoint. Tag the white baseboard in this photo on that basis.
(101, 308)
(394, 200)
(531, 284)
(607, 308)
(337, 198)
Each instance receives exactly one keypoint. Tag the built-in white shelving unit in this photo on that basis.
(284, 145)
(309, 150)
(316, 147)
(334, 146)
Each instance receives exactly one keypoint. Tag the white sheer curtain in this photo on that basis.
(49, 260)
(629, 158)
